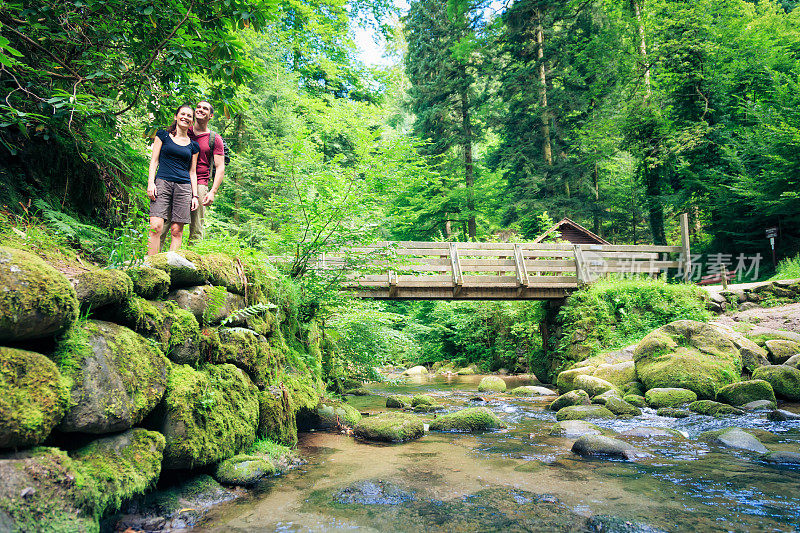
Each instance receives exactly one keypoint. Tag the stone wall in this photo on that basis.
(109, 377)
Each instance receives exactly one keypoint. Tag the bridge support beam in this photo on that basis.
(550, 330)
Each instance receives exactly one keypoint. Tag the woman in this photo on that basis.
(172, 188)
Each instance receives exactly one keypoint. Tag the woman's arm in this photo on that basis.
(151, 177)
(193, 179)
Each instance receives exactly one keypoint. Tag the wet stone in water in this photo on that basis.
(373, 492)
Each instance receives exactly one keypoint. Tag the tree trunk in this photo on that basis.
(547, 147)
(237, 198)
(596, 207)
(637, 11)
(655, 208)
(469, 175)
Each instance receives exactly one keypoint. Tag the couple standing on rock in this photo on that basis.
(180, 169)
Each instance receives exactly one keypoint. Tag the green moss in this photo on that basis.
(180, 333)
(36, 301)
(390, 427)
(398, 401)
(583, 412)
(33, 397)
(149, 283)
(712, 408)
(492, 384)
(180, 276)
(277, 420)
(592, 385)
(247, 350)
(565, 380)
(746, 392)
(121, 466)
(243, 470)
(422, 399)
(472, 419)
(620, 407)
(669, 397)
(573, 397)
(673, 412)
(141, 316)
(224, 271)
(208, 415)
(635, 400)
(101, 287)
(785, 380)
(334, 414)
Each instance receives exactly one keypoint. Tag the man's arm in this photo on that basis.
(219, 173)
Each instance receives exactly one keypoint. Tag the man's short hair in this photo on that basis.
(210, 105)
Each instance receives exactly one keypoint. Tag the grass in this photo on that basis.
(788, 268)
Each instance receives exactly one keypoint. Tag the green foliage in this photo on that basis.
(788, 268)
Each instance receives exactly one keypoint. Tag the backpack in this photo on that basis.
(212, 137)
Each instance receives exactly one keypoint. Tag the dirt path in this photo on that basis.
(785, 317)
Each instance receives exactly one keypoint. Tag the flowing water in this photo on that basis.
(522, 479)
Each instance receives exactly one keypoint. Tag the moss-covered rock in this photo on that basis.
(632, 387)
(467, 370)
(759, 404)
(184, 268)
(418, 370)
(712, 408)
(149, 283)
(101, 287)
(592, 385)
(573, 397)
(734, 438)
(673, 412)
(36, 301)
(330, 414)
(690, 355)
(116, 377)
(390, 427)
(785, 380)
(210, 304)
(600, 446)
(423, 399)
(359, 391)
(601, 399)
(42, 490)
(753, 355)
(492, 384)
(207, 415)
(620, 407)
(471, 419)
(746, 392)
(583, 412)
(179, 333)
(617, 374)
(121, 466)
(669, 397)
(248, 350)
(398, 401)
(33, 398)
(781, 350)
(572, 429)
(531, 390)
(565, 379)
(276, 419)
(225, 271)
(243, 470)
(793, 361)
(635, 399)
(139, 315)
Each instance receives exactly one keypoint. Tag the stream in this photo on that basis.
(521, 478)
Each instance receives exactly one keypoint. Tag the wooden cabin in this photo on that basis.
(572, 232)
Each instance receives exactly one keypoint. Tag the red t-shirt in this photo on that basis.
(204, 157)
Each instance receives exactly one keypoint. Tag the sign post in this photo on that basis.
(772, 234)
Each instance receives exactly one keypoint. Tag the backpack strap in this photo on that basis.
(211, 139)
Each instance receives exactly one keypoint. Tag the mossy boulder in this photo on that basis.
(390, 427)
(746, 392)
(183, 267)
(572, 429)
(793, 361)
(635, 399)
(116, 377)
(781, 350)
(398, 401)
(423, 399)
(101, 287)
(276, 418)
(359, 391)
(759, 404)
(531, 390)
(785, 380)
(573, 397)
(149, 283)
(121, 466)
(712, 408)
(617, 374)
(620, 407)
(36, 301)
(209, 304)
(140, 315)
(690, 355)
(632, 387)
(418, 370)
(330, 414)
(225, 271)
(734, 438)
(753, 355)
(600, 446)
(467, 370)
(601, 399)
(669, 397)
(471, 419)
(33, 397)
(583, 412)
(179, 333)
(565, 379)
(243, 470)
(207, 415)
(492, 384)
(592, 385)
(42, 490)
(246, 349)
(673, 412)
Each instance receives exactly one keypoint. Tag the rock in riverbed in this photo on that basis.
(606, 447)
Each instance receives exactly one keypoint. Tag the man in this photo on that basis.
(200, 133)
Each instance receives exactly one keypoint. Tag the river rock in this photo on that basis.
(781, 415)
(245, 349)
(209, 304)
(633, 387)
(635, 400)
(471, 419)
(531, 390)
(793, 361)
(753, 355)
(418, 370)
(245, 470)
(33, 398)
(781, 350)
(782, 458)
(746, 392)
(573, 397)
(225, 271)
(276, 416)
(617, 374)
(373, 492)
(121, 467)
(149, 283)
(207, 415)
(734, 438)
(116, 377)
(565, 379)
(334, 414)
(785, 380)
(184, 268)
(601, 446)
(467, 370)
(669, 397)
(36, 301)
(390, 427)
(690, 355)
(422, 399)
(398, 401)
(620, 407)
(583, 412)
(492, 384)
(673, 412)
(712, 408)
(592, 385)
(654, 433)
(572, 429)
(101, 287)
(758, 404)
(601, 399)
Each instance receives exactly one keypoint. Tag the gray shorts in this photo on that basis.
(173, 201)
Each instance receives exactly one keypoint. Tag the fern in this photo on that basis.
(87, 236)
(248, 312)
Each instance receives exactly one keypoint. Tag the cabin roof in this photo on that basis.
(572, 232)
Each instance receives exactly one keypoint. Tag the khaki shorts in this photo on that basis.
(173, 200)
